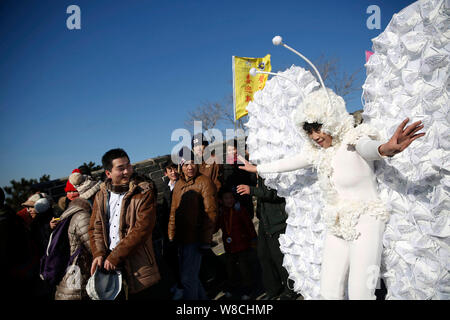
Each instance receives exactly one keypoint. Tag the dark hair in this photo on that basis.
(112, 154)
(310, 127)
(169, 164)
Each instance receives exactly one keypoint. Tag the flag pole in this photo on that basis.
(234, 94)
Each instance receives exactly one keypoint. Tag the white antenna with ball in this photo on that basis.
(277, 40)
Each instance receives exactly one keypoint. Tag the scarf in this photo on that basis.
(116, 188)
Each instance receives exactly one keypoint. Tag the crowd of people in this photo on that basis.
(113, 239)
(116, 229)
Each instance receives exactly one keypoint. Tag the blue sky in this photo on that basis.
(136, 68)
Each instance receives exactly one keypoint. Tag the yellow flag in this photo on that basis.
(244, 85)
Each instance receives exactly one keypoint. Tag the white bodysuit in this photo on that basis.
(353, 213)
(353, 177)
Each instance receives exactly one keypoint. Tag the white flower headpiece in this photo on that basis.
(315, 108)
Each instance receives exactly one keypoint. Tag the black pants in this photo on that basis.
(274, 275)
(167, 260)
(239, 272)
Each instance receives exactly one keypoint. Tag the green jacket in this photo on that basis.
(270, 208)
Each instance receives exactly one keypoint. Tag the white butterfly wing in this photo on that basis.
(408, 76)
(273, 135)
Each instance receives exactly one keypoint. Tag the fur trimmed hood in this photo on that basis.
(76, 205)
(335, 119)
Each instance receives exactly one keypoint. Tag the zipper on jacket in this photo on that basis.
(149, 256)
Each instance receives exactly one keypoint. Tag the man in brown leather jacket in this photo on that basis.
(192, 223)
(122, 221)
(211, 166)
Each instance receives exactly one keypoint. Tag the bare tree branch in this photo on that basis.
(209, 113)
(214, 114)
(342, 83)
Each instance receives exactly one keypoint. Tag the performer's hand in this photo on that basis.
(243, 189)
(247, 165)
(401, 138)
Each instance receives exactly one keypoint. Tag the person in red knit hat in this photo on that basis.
(71, 193)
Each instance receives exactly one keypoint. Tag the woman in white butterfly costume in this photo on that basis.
(382, 204)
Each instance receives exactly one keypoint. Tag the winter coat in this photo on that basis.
(214, 171)
(164, 213)
(38, 234)
(63, 203)
(232, 177)
(73, 284)
(270, 208)
(19, 261)
(134, 253)
(194, 210)
(25, 216)
(241, 231)
(40, 230)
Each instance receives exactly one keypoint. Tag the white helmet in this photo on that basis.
(104, 286)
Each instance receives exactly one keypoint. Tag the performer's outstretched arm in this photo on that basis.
(401, 138)
(298, 161)
(374, 150)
